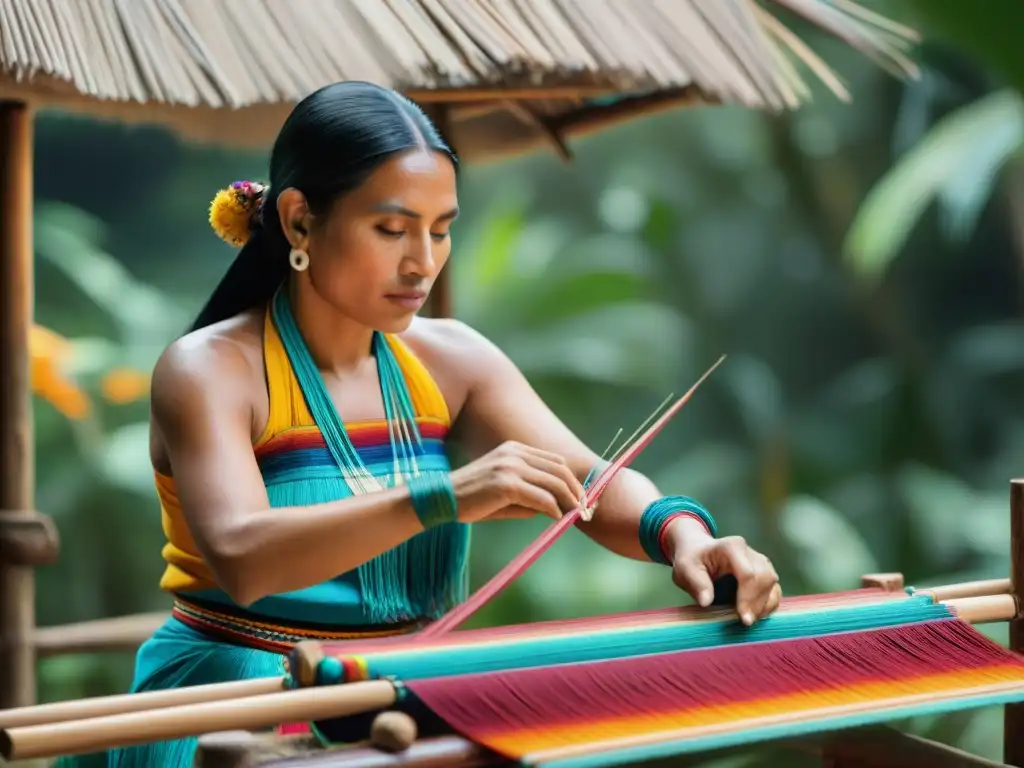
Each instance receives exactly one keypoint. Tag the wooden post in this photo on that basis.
(1013, 719)
(17, 588)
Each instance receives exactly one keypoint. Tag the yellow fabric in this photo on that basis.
(186, 570)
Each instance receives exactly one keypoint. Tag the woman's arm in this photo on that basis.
(501, 405)
(204, 419)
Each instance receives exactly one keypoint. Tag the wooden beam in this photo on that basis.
(885, 747)
(17, 472)
(121, 633)
(1013, 717)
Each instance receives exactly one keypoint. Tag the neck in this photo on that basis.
(336, 342)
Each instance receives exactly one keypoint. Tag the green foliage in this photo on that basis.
(988, 31)
(957, 164)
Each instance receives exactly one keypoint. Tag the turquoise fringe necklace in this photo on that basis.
(425, 576)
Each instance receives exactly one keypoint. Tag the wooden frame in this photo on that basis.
(248, 706)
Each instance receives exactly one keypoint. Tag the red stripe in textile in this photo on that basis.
(491, 704)
(362, 435)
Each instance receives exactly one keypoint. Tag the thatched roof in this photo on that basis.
(512, 72)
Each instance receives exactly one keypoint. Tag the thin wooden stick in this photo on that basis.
(104, 706)
(265, 711)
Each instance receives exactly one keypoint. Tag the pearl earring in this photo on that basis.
(299, 260)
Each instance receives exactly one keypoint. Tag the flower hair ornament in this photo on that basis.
(236, 211)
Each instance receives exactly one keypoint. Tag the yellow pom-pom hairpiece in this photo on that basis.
(234, 209)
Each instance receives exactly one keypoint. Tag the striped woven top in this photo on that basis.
(289, 452)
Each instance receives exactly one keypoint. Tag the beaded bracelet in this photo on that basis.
(659, 513)
(433, 498)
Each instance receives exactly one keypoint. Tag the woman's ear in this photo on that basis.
(294, 214)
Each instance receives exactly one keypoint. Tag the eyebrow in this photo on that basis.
(450, 215)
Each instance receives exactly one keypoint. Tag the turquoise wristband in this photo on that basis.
(657, 514)
(433, 498)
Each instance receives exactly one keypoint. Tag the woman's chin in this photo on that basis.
(395, 324)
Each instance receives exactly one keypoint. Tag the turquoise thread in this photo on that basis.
(657, 512)
(423, 577)
(330, 671)
(433, 498)
(624, 642)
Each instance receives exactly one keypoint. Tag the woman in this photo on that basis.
(298, 430)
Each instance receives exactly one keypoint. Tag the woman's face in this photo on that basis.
(376, 255)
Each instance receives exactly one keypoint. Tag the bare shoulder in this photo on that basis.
(220, 363)
(455, 354)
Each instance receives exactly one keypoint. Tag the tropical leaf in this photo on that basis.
(830, 553)
(956, 164)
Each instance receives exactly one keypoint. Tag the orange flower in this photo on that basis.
(125, 385)
(49, 352)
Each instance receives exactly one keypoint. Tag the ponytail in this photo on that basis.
(251, 280)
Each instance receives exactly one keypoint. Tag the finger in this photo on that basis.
(553, 483)
(555, 464)
(693, 578)
(737, 562)
(533, 496)
(513, 513)
(764, 580)
(774, 599)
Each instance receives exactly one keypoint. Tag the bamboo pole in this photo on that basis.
(17, 584)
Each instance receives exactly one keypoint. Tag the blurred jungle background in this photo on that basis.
(862, 265)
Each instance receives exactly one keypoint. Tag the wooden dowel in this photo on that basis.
(104, 706)
(121, 633)
(966, 589)
(986, 609)
(252, 713)
(885, 747)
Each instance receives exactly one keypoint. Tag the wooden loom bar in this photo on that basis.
(968, 589)
(1013, 716)
(120, 633)
(241, 749)
(105, 706)
(885, 747)
(250, 713)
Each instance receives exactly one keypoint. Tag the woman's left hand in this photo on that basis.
(698, 560)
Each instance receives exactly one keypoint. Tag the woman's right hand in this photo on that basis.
(515, 481)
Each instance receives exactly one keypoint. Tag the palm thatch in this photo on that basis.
(512, 73)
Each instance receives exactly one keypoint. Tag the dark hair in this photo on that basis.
(331, 142)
